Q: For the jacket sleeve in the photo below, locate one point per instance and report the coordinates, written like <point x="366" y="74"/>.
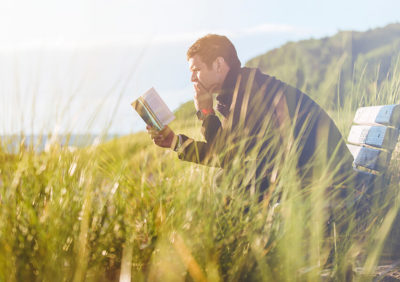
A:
<point x="199" y="151"/>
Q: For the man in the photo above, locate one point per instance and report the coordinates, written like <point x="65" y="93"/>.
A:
<point x="262" y="119"/>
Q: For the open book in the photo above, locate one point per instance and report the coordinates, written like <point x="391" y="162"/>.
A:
<point x="153" y="110"/>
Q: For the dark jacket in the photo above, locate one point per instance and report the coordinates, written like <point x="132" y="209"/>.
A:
<point x="261" y="114"/>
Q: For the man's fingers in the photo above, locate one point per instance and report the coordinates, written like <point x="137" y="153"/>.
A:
<point x="200" y="88"/>
<point x="165" y="131"/>
<point x="162" y="137"/>
<point x="200" y="91"/>
<point x="156" y="136"/>
<point x="153" y="131"/>
<point x="159" y="141"/>
<point x="156" y="139"/>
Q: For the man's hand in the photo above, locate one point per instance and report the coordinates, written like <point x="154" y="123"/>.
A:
<point x="165" y="138"/>
<point x="202" y="98"/>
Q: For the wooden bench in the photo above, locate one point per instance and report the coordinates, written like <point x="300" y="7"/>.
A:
<point x="373" y="138"/>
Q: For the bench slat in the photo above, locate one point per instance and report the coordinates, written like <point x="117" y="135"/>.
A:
<point x="368" y="157"/>
<point x="377" y="136"/>
<point x="386" y="115"/>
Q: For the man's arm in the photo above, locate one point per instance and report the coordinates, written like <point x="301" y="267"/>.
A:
<point x="198" y="151"/>
<point x="188" y="149"/>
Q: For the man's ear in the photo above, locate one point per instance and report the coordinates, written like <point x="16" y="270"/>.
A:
<point x="219" y="62"/>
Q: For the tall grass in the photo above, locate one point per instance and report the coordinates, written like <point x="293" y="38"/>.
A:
<point x="129" y="211"/>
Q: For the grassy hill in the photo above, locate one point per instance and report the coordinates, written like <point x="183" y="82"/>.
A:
<point x="329" y="69"/>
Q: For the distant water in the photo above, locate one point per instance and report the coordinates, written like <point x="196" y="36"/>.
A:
<point x="12" y="143"/>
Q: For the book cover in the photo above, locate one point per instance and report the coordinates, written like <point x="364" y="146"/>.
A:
<point x="153" y="110"/>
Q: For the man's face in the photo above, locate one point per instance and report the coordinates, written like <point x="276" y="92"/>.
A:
<point x="203" y="76"/>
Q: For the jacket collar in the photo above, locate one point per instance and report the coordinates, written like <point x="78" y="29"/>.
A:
<point x="225" y="96"/>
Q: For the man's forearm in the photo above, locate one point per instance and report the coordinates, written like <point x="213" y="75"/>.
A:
<point x="198" y="151"/>
<point x="195" y="151"/>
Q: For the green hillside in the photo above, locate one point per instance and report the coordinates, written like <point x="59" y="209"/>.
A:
<point x="330" y="68"/>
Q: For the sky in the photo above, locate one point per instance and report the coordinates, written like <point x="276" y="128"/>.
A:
<point x="75" y="66"/>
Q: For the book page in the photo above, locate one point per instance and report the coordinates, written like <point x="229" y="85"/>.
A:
<point x="158" y="106"/>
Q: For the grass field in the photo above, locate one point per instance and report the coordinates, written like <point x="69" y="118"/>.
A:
<point x="127" y="210"/>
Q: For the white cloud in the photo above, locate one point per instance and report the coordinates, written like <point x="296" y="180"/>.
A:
<point x="253" y="30"/>
<point x="273" y="28"/>
<point x="148" y="39"/>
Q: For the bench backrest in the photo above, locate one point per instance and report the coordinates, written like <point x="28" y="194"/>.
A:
<point x="373" y="137"/>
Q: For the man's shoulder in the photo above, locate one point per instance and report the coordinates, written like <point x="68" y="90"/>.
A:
<point x="246" y="72"/>
<point x="255" y="76"/>
<point x="272" y="86"/>
<point x="261" y="80"/>
<point x="260" y="77"/>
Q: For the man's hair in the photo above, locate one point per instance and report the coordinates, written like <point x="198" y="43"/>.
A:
<point x="213" y="46"/>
